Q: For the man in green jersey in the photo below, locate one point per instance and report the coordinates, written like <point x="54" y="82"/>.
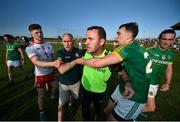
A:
<point x="14" y="57"/>
<point x="137" y="64"/>
<point x="69" y="82"/>
<point x="162" y="57"/>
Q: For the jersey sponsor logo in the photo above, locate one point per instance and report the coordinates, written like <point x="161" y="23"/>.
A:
<point x="157" y="55"/>
<point x="10" y="49"/>
<point x="160" y="61"/>
<point x="67" y="57"/>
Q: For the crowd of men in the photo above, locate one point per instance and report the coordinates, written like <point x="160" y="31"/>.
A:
<point x="87" y="71"/>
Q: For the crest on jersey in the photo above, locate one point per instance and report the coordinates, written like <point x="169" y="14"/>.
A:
<point x="163" y="57"/>
<point x="77" y="54"/>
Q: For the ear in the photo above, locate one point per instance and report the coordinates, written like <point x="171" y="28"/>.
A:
<point x="129" y="36"/>
<point x="102" y="42"/>
<point x="173" y="40"/>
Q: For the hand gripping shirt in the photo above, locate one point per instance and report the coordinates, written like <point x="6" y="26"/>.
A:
<point x="95" y="79"/>
<point x="161" y="59"/>
<point x="12" y="51"/>
<point x="44" y="52"/>
<point x="137" y="64"/>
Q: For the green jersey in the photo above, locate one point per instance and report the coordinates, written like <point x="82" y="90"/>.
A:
<point x="12" y="51"/>
<point x="161" y="59"/>
<point x="137" y="64"/>
<point x="95" y="79"/>
<point x="73" y="75"/>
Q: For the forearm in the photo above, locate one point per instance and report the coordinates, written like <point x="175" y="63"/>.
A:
<point x="44" y="64"/>
<point x="21" y="53"/>
<point x="22" y="56"/>
<point x="66" y="67"/>
<point x="168" y="73"/>
<point x="168" y="76"/>
<point x="123" y="75"/>
<point x="97" y="63"/>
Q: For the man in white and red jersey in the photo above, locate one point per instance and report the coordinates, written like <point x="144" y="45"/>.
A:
<point x="41" y="55"/>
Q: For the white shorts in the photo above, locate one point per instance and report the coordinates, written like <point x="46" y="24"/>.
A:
<point x="65" y="90"/>
<point x="153" y="90"/>
<point x="126" y="108"/>
<point x="15" y="63"/>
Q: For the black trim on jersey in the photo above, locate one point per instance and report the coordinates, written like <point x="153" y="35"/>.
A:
<point x="112" y="100"/>
<point x="118" y="118"/>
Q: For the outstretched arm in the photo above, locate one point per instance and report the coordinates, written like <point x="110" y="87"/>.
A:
<point x="100" y="62"/>
<point x="64" y="67"/>
<point x="38" y="63"/>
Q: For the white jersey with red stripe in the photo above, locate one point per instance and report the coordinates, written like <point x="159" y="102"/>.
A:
<point x="44" y="52"/>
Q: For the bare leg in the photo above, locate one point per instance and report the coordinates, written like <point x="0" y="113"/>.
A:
<point x="10" y="73"/>
<point x="111" y="118"/>
<point x="60" y="113"/>
<point x="41" y="96"/>
<point x="53" y="88"/>
<point x="109" y="108"/>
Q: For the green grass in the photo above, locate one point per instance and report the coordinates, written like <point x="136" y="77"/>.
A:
<point x="19" y="101"/>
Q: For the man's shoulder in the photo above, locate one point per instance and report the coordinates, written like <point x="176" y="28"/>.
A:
<point x="60" y="52"/>
<point x="77" y="49"/>
<point x="151" y="48"/>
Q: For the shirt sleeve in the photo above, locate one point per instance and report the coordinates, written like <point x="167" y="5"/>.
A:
<point x="121" y="53"/>
<point x="172" y="59"/>
<point x="30" y="52"/>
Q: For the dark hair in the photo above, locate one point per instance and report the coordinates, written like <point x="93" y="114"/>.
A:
<point x="167" y="31"/>
<point x="132" y="27"/>
<point x="34" y="27"/>
<point x="8" y="36"/>
<point x="69" y="34"/>
<point x="101" y="31"/>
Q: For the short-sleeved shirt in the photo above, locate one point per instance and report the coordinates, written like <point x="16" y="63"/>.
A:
<point x="44" y="52"/>
<point x="136" y="61"/>
<point x="12" y="51"/>
<point x="161" y="59"/>
<point x="73" y="75"/>
<point x="95" y="79"/>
